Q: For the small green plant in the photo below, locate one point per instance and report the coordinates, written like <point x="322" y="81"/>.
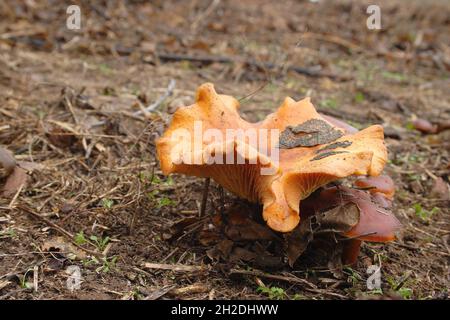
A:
<point x="375" y="292"/>
<point x="169" y="181"/>
<point x="24" y="284"/>
<point x="353" y="277"/>
<point x="80" y="239"/>
<point x="394" y="76"/>
<point x="410" y="126"/>
<point x="423" y="214"/>
<point x="152" y="194"/>
<point x="359" y="97"/>
<point x="100" y="242"/>
<point x="8" y="233"/>
<point x="164" y="202"/>
<point x="406" y="293"/>
<point x="107" y="203"/>
<point x="106" y="264"/>
<point x="160" y="202"/>
<point x="157" y="180"/>
<point x="186" y="65"/>
<point x="105" y="69"/>
<point x="329" y="103"/>
<point x="147" y="177"/>
<point x="274" y="293"/>
<point x="415" y="158"/>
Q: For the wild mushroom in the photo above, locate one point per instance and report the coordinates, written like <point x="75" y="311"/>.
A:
<point x="375" y="221"/>
<point x="312" y="152"/>
<point x="382" y="184"/>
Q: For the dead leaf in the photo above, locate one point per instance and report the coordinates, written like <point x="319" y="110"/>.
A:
<point x="298" y="240"/>
<point x="241" y="228"/>
<point x="62" y="247"/>
<point x="340" y="219"/>
<point x="180" y="226"/>
<point x="241" y="254"/>
<point x="53" y="265"/>
<point x="311" y="133"/>
<point x="209" y="237"/>
<point x="221" y="250"/>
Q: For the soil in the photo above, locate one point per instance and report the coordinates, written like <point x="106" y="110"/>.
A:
<point x="96" y="199"/>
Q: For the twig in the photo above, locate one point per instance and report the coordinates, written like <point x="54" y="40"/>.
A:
<point x="60" y="230"/>
<point x="152" y="107"/>
<point x="190" y="289"/>
<point x="205" y="197"/>
<point x="173" y="267"/>
<point x="158" y="293"/>
<point x="35" y="278"/>
<point x="11" y="204"/>
<point x="205" y="13"/>
<point x="268" y="65"/>
<point x="312" y="288"/>
<point x="403" y="280"/>
<point x="258" y="273"/>
<point x="48" y="222"/>
<point x="160" y="100"/>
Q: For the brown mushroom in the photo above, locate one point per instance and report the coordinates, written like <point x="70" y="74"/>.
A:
<point x="382" y="184"/>
<point x="312" y="152"/>
<point x="376" y="222"/>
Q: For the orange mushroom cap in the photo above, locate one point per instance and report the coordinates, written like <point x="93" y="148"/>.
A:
<point x="312" y="152"/>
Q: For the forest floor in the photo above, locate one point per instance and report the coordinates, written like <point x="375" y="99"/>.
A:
<point x="94" y="197"/>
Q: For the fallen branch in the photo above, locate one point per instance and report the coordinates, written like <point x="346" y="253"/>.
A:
<point x="173" y="267"/>
<point x="267" y="65"/>
<point x="291" y="279"/>
<point x="261" y="274"/>
<point x="191" y="289"/>
<point x="160" y="100"/>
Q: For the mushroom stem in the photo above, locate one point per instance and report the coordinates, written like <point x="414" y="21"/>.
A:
<point x="351" y="251"/>
<point x="205" y="196"/>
